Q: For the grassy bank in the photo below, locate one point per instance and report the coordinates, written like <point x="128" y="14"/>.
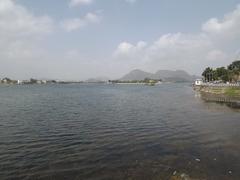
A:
<point x="218" y="90"/>
<point x="232" y="91"/>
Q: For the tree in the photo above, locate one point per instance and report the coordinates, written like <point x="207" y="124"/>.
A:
<point x="234" y="70"/>
<point x="146" y="80"/>
<point x="231" y="74"/>
<point x="33" y="81"/>
<point x="234" y="66"/>
<point x="222" y="74"/>
<point x="208" y="74"/>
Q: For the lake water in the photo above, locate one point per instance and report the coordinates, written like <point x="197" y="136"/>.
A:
<point x="115" y="132"/>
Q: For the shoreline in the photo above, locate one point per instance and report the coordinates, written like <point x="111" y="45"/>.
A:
<point x="230" y="90"/>
<point x="220" y="93"/>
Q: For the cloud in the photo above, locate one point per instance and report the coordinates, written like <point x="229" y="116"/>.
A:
<point x="18" y="28"/>
<point x="212" y="46"/>
<point x="227" y="28"/>
<point x="17" y="20"/>
<point x="216" y="55"/>
<point x="126" y="48"/>
<point x="20" y="32"/>
<point x="74" y="24"/>
<point x="129" y="52"/>
<point x="74" y="3"/>
<point x="174" y="51"/>
<point x="191" y="52"/>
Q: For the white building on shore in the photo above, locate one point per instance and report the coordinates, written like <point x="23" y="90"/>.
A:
<point x="198" y="82"/>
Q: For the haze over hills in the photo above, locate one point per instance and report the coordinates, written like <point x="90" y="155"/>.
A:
<point x="164" y="75"/>
<point x="98" y="79"/>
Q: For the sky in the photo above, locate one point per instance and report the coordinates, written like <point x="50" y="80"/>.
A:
<point x="81" y="39"/>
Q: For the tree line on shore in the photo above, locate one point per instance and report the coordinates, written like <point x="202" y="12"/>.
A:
<point x="7" y="80"/>
<point x="231" y="73"/>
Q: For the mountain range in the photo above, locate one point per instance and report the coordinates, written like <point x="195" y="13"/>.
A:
<point x="164" y="75"/>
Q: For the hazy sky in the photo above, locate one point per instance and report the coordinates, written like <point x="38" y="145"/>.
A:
<point x="80" y="39"/>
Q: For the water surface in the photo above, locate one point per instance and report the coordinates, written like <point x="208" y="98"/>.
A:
<point x="115" y="132"/>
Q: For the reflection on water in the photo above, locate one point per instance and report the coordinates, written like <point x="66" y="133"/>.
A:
<point x="115" y="132"/>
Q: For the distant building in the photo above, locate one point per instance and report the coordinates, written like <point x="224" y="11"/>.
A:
<point x="198" y="82"/>
<point x="5" y="80"/>
<point x="39" y="82"/>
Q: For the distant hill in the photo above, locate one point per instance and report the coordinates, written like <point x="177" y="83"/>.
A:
<point x="136" y="75"/>
<point x="97" y="80"/>
<point x="165" y="75"/>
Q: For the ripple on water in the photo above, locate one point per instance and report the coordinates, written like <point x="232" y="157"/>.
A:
<point x="115" y="132"/>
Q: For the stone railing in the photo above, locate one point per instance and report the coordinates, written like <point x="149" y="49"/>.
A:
<point x="221" y="85"/>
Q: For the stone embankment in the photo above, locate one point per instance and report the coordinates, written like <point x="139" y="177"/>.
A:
<point x="227" y="93"/>
<point x="220" y="89"/>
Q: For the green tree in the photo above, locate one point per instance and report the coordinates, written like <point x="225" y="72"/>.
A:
<point x="234" y="71"/>
<point x="33" y="81"/>
<point x="234" y="66"/>
<point x="222" y="74"/>
<point x="208" y="74"/>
